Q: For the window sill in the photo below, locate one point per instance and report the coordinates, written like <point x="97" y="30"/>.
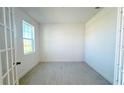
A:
<point x="26" y="54"/>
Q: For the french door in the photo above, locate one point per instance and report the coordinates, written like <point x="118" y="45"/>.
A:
<point x="8" y="72"/>
<point x="119" y="61"/>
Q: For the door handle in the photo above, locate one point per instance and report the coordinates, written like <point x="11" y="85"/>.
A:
<point x="17" y="63"/>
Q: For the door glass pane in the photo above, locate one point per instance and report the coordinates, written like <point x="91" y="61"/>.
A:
<point x="13" y="56"/>
<point x="8" y="38"/>
<point x="7" y="16"/>
<point x="1" y="15"/>
<point x="123" y="39"/>
<point x="123" y="67"/>
<point x="2" y="38"/>
<point x="5" y="81"/>
<point x="11" y="77"/>
<point x="14" y="73"/>
<point x="9" y="58"/>
<point x="11" y="16"/>
<point x="4" y="62"/>
<point x="13" y="39"/>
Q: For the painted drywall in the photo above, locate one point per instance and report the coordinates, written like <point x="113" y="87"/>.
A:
<point x="100" y="37"/>
<point x="61" y="42"/>
<point x="28" y="61"/>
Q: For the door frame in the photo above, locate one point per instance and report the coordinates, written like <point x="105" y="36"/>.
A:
<point x="118" y="67"/>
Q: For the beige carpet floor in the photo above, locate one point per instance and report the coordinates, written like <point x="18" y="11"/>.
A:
<point x="63" y="73"/>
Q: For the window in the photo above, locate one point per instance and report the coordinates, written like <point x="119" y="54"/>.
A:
<point x="28" y="38"/>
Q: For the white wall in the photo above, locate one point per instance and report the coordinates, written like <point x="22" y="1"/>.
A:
<point x="100" y="42"/>
<point x="62" y="42"/>
<point x="65" y="42"/>
<point x="28" y="61"/>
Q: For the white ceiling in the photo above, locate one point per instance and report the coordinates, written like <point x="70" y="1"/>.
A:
<point x="61" y="14"/>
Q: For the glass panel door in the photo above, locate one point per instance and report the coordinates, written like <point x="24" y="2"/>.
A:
<point x="7" y="47"/>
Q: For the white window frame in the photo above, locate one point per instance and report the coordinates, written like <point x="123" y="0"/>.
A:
<point x="32" y="38"/>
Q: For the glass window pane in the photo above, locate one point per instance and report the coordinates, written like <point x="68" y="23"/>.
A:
<point x="27" y="31"/>
<point x="27" y="46"/>
<point x="28" y="37"/>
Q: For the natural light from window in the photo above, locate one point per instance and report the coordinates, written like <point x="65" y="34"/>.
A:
<point x="28" y="38"/>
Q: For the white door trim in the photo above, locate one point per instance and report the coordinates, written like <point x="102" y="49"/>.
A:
<point x="118" y="68"/>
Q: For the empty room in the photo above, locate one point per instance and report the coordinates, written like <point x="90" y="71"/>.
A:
<point x="61" y="46"/>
